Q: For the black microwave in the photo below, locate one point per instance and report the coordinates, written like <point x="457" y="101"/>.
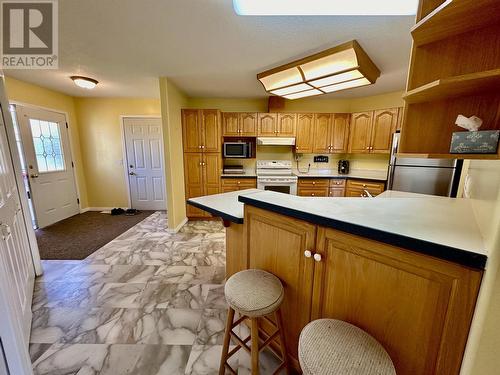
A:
<point x="237" y="150"/>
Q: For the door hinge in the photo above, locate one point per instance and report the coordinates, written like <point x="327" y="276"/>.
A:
<point x="29" y="195"/>
<point x="72" y="164"/>
<point x="66" y="125"/>
<point x="78" y="200"/>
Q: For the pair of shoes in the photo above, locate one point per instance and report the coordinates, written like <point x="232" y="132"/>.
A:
<point x="117" y="211"/>
<point x="131" y="212"/>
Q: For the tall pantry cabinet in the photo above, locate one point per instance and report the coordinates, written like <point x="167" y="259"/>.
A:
<point x="201" y="134"/>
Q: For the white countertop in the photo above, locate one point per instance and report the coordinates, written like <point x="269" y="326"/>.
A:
<point x="226" y="204"/>
<point x="369" y="174"/>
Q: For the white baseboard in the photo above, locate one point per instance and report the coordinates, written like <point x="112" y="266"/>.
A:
<point x="178" y="227"/>
<point x="83" y="210"/>
<point x="99" y="209"/>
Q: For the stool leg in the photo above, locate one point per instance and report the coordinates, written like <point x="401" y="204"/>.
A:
<point x="227" y="339"/>
<point x="255" y="346"/>
<point x="279" y="323"/>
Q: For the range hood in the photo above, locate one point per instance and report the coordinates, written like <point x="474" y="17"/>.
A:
<point x="275" y="141"/>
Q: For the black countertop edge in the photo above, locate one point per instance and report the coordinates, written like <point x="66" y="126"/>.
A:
<point x="223" y="215"/>
<point x="345" y="177"/>
<point x="465" y="258"/>
<point x="238" y="176"/>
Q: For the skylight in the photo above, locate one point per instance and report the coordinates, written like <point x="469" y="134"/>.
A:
<point x="325" y="7"/>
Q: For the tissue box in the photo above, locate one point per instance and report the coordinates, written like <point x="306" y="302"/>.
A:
<point x="480" y="142"/>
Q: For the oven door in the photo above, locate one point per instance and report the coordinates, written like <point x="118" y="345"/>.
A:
<point x="235" y="150"/>
<point x="286" y="186"/>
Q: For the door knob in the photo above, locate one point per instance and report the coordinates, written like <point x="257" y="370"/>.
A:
<point x="34" y="175"/>
<point x="307" y="253"/>
<point x="317" y="257"/>
<point x="131" y="173"/>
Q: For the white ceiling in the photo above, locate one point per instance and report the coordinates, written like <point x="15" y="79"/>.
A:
<point x="206" y="49"/>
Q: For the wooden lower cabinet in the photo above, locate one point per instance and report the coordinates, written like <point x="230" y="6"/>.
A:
<point x="235" y="184"/>
<point x="202" y="177"/>
<point x="418" y="307"/>
<point x="358" y="188"/>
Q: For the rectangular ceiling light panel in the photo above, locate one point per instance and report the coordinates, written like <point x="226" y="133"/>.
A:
<point x="338" y="68"/>
<point x="325" y="7"/>
<point x="346" y="85"/>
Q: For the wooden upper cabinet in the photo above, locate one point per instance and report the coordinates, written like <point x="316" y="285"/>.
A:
<point x="267" y="124"/>
<point x="283" y="255"/>
<point x="211" y="135"/>
<point x="360" y="132"/>
<point x="230" y="124"/>
<point x="384" y="125"/>
<point x="399" y="125"/>
<point x="322" y="132"/>
<point x="248" y="124"/>
<point x="305" y="133"/>
<point x="287" y="123"/>
<point x="340" y="133"/>
<point x="211" y="173"/>
<point x="191" y="130"/>
<point x="413" y="304"/>
<point x="201" y="130"/>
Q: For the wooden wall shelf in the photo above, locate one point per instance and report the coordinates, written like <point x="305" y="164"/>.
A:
<point x="454" y="17"/>
<point x="457" y="86"/>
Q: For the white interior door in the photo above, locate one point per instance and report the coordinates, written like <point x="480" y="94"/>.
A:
<point x="144" y="147"/>
<point x="50" y="167"/>
<point x="17" y="271"/>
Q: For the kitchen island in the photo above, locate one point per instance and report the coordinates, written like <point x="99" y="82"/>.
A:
<point x="405" y="268"/>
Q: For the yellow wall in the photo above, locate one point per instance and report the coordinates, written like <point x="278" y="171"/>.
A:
<point x="317" y="104"/>
<point x="26" y="93"/>
<point x="172" y="101"/>
<point x="101" y="142"/>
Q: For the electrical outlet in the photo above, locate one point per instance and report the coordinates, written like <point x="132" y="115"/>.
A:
<point x="321" y="159"/>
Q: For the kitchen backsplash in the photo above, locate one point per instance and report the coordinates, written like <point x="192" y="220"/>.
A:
<point x="357" y="161"/>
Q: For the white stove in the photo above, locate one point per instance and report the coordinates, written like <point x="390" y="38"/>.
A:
<point x="276" y="175"/>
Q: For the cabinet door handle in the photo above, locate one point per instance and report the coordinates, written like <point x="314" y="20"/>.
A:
<point x="308" y="254"/>
<point x="199" y="146"/>
<point x="202" y="146"/>
<point x="312" y="194"/>
<point x="317" y="257"/>
<point x="200" y="163"/>
<point x="238" y="182"/>
<point x="314" y="182"/>
<point x="204" y="163"/>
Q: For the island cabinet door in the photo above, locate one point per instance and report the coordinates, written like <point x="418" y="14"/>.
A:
<point x="276" y="243"/>
<point x="418" y="307"/>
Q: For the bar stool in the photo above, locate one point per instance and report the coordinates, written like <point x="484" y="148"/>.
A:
<point x="331" y="347"/>
<point x="254" y="294"/>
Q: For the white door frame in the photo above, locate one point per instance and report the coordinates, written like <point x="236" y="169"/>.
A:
<point x="124" y="156"/>
<point x="11" y="139"/>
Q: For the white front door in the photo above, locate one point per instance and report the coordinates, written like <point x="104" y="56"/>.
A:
<point x="50" y="168"/>
<point x="146" y="177"/>
<point x="17" y="273"/>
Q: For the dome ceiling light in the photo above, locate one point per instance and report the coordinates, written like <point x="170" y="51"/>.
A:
<point x="84" y="82"/>
<point x="339" y="68"/>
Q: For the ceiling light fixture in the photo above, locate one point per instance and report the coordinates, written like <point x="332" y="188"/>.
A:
<point x="325" y="7"/>
<point x="84" y="82"/>
<point x="338" y="68"/>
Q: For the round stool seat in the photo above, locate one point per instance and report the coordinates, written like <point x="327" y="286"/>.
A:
<point x="254" y="293"/>
<point x="329" y="346"/>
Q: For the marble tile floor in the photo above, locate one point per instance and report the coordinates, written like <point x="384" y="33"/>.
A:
<point x="149" y="302"/>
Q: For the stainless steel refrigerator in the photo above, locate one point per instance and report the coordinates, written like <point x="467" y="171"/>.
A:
<point x="425" y="176"/>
